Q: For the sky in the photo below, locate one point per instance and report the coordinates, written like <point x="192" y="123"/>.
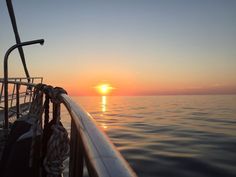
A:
<point x="139" y="47"/>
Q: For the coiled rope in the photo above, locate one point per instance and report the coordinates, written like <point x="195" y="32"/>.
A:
<point x="57" y="151"/>
<point x="58" y="143"/>
<point x="35" y="113"/>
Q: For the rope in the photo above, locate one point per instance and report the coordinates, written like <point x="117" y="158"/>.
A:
<point x="57" y="146"/>
<point x="36" y="111"/>
<point x="58" y="143"/>
<point x="46" y="110"/>
<point x="57" y="151"/>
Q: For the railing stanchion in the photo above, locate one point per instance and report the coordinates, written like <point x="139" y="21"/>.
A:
<point x="76" y="153"/>
<point x="13" y="93"/>
<point x="17" y="101"/>
<point x="1" y="92"/>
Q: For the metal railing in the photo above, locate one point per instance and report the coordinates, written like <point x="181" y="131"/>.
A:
<point x="88" y="143"/>
<point x="6" y="78"/>
<point x="19" y="95"/>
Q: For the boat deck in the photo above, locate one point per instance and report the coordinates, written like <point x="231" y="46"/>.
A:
<point x="23" y="108"/>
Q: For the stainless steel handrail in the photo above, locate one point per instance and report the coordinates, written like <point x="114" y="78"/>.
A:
<point x="100" y="154"/>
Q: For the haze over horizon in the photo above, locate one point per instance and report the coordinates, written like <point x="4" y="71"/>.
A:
<point x="139" y="47"/>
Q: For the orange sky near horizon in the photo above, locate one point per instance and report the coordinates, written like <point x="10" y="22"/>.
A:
<point x="130" y="86"/>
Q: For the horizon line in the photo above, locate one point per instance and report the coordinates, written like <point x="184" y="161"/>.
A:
<point x="190" y="94"/>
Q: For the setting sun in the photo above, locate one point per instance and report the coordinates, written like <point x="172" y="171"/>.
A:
<point x="104" y="89"/>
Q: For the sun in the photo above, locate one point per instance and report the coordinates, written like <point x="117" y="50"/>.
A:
<point x="104" y="89"/>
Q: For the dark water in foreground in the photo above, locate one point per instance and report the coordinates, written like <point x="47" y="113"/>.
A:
<point x="165" y="136"/>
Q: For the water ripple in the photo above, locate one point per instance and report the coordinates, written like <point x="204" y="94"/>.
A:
<point x="172" y="136"/>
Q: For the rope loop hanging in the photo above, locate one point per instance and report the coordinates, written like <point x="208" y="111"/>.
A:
<point x="35" y="113"/>
<point x="48" y="94"/>
<point x="48" y="146"/>
<point x="57" y="146"/>
<point x="57" y="151"/>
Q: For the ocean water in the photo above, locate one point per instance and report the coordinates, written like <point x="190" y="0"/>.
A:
<point x="170" y="136"/>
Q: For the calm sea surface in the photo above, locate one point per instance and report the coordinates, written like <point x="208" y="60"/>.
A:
<point x="165" y="136"/>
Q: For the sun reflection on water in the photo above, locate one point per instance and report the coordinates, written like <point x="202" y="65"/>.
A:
<point x="104" y="104"/>
<point x="104" y="126"/>
<point x="104" y="109"/>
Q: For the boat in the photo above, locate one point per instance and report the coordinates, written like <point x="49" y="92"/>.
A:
<point x="33" y="139"/>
